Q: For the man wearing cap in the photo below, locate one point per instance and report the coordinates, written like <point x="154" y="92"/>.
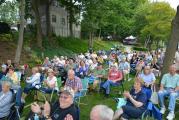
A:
<point x="114" y="78"/>
<point x="63" y="109"/>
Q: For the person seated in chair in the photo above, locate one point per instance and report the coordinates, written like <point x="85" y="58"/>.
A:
<point x="16" y="87"/>
<point x="99" y="73"/>
<point x="169" y="87"/>
<point x="5" y="100"/>
<point x="124" y="67"/>
<point x="50" y="82"/>
<point x="32" y="82"/>
<point x="114" y="78"/>
<point x="136" y="103"/>
<point x="63" y="109"/>
<point x="73" y="83"/>
<point x="81" y="69"/>
<point x="149" y="79"/>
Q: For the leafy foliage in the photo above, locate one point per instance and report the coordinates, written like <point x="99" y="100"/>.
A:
<point x="154" y="20"/>
<point x="140" y="49"/>
<point x="9" y="11"/>
<point x="6" y="37"/>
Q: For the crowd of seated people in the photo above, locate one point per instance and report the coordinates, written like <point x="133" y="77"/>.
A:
<point x="103" y="69"/>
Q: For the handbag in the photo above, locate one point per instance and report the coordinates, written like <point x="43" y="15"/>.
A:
<point x="121" y="102"/>
<point x="154" y="96"/>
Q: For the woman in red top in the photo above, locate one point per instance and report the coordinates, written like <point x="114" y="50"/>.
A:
<point x="114" y="78"/>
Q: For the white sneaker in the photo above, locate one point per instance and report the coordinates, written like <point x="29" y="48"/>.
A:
<point x="162" y="111"/>
<point x="171" y="116"/>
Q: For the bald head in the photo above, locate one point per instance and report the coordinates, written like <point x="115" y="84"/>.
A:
<point x="71" y="74"/>
<point x="172" y="69"/>
<point x="101" y="112"/>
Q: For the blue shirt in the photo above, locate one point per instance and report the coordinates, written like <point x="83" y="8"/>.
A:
<point x="147" y="78"/>
<point x="124" y="66"/>
<point x="140" y="97"/>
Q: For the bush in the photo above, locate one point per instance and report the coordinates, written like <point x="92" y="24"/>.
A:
<point x="6" y="37"/>
<point x="140" y="49"/>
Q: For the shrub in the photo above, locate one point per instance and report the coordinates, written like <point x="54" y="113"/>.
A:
<point x="140" y="49"/>
<point x="6" y="37"/>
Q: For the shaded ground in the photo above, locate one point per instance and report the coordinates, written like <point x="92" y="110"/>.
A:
<point x="7" y="51"/>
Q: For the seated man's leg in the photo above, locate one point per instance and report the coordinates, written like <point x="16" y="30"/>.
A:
<point x="95" y="83"/>
<point x="0" y="87"/>
<point x="107" y="85"/>
<point x="161" y="96"/>
<point x="171" y="107"/>
<point x="172" y="101"/>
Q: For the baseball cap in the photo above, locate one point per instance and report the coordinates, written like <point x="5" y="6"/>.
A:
<point x="67" y="92"/>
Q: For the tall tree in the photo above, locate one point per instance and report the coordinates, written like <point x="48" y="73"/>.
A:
<point x="48" y="18"/>
<point x="172" y="44"/>
<point x="21" y="32"/>
<point x="35" y="7"/>
<point x="92" y="17"/>
<point x="153" y="22"/>
<point x="73" y="8"/>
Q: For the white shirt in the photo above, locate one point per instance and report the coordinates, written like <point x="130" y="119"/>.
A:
<point x="34" y="79"/>
<point x="53" y="81"/>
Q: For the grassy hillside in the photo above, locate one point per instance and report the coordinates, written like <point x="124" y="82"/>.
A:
<point x="68" y="46"/>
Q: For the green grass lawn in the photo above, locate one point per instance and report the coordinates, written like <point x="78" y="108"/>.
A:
<point x="95" y="98"/>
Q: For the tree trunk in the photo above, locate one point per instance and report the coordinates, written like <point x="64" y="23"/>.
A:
<point x="71" y="26"/>
<point x="90" y="40"/>
<point x="38" y="22"/>
<point x="21" y="32"/>
<point x="99" y="36"/>
<point x="48" y="19"/>
<point x="172" y="44"/>
<point x="71" y="20"/>
<point x="157" y="44"/>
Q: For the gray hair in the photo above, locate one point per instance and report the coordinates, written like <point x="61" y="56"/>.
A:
<point x="71" y="71"/>
<point x="105" y="113"/>
<point x="6" y="82"/>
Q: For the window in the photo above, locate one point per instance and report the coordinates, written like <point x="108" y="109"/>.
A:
<point x="63" y="21"/>
<point x="54" y="18"/>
